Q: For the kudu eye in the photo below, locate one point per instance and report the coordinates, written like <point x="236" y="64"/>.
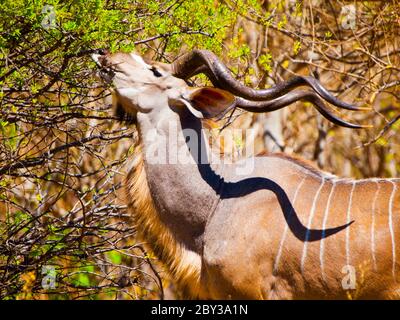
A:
<point x="156" y="72"/>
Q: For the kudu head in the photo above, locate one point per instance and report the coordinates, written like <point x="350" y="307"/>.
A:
<point x="147" y="86"/>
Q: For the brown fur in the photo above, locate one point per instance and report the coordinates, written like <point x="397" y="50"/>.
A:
<point x="300" y="161"/>
<point x="183" y="264"/>
<point x="235" y="255"/>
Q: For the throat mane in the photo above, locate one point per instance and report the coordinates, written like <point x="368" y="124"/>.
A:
<point x="183" y="264"/>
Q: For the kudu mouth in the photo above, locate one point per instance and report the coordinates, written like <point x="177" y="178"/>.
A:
<point x="99" y="53"/>
<point x="106" y="71"/>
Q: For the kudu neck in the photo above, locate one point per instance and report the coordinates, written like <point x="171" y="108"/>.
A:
<point x="184" y="186"/>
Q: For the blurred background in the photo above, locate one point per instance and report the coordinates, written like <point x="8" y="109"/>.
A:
<point x="64" y="229"/>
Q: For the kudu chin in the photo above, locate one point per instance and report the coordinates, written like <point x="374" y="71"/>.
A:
<point x="282" y="230"/>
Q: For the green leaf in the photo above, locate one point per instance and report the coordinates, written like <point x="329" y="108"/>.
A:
<point x="115" y="257"/>
<point x="84" y="280"/>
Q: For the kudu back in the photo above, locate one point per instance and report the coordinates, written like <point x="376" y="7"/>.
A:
<point x="282" y="230"/>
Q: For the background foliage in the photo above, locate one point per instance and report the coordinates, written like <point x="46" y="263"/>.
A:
<point x="63" y="157"/>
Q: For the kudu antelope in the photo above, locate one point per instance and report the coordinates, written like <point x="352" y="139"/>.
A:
<point x="283" y="231"/>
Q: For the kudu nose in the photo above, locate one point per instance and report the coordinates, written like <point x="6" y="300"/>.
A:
<point x="98" y="56"/>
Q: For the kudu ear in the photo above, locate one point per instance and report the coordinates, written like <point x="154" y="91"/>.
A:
<point x="209" y="102"/>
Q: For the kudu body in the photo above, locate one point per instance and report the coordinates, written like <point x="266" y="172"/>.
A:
<point x="285" y="230"/>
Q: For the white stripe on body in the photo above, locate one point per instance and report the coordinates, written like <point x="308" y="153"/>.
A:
<point x="373" y="224"/>
<point x="312" y="212"/>
<point x="348" y="221"/>
<point x="391" y="228"/>
<point x="278" y="256"/>
<point x="326" y="213"/>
